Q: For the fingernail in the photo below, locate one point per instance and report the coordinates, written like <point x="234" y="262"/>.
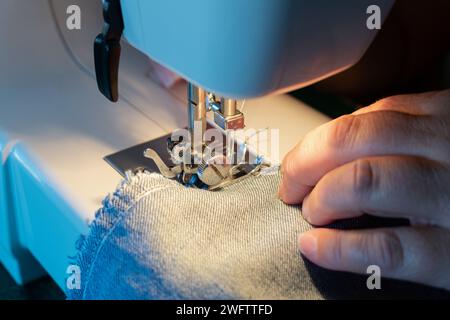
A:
<point x="307" y="244"/>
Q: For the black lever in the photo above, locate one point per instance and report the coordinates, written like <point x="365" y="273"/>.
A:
<point x="107" y="50"/>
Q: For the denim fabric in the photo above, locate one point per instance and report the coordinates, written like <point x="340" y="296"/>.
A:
<point x="155" y="239"/>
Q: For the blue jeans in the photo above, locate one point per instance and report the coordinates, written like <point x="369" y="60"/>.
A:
<point x="155" y="239"/>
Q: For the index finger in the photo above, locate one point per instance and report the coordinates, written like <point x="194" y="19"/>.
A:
<point x="350" y="137"/>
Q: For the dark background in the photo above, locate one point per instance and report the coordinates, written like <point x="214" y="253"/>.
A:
<point x="43" y="288"/>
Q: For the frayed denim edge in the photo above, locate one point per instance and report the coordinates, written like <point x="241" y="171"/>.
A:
<point x="87" y="246"/>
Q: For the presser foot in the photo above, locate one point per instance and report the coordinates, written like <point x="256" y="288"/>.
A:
<point x="211" y="175"/>
<point x="158" y="156"/>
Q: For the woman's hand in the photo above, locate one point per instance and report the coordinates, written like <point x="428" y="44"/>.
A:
<point x="391" y="159"/>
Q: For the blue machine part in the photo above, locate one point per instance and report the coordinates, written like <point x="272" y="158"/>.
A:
<point x="250" y="48"/>
<point x="32" y="217"/>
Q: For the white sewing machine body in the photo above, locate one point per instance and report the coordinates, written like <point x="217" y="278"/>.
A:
<point x="251" y="48"/>
<point x="55" y="127"/>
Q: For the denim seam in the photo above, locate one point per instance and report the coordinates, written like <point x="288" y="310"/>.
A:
<point x="118" y="219"/>
<point x="122" y="197"/>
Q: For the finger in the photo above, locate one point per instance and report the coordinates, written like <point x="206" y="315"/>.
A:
<point x="419" y="254"/>
<point x="293" y="188"/>
<point x="428" y="103"/>
<point x="355" y="136"/>
<point x="392" y="186"/>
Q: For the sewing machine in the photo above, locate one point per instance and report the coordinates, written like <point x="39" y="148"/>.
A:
<point x="56" y="128"/>
<point x="228" y="50"/>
